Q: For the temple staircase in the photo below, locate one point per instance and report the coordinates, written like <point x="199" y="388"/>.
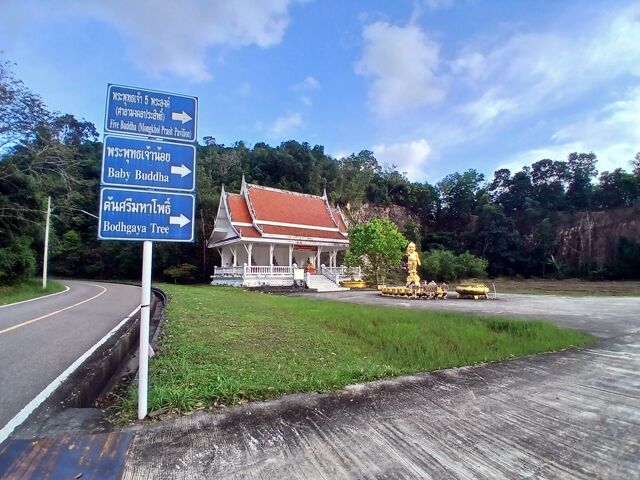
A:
<point x="323" y="284"/>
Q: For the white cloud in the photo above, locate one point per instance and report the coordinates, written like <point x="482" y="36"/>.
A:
<point x="532" y="72"/>
<point x="340" y="154"/>
<point x="410" y="158"/>
<point x="173" y="37"/>
<point x="285" y="125"/>
<point x="309" y="83"/>
<point x="403" y="62"/>
<point x="470" y="63"/>
<point x="612" y="133"/>
<point x="438" y="4"/>
<point x="245" y="89"/>
<point x="304" y="89"/>
<point x="490" y="107"/>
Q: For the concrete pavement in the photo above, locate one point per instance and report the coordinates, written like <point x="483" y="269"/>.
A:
<point x="572" y="414"/>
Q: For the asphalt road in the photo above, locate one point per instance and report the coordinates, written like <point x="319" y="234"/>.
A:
<point x="39" y="339"/>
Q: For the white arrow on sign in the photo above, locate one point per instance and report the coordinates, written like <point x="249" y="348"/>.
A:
<point x="183" y="117"/>
<point x="182" y="170"/>
<point x="181" y="220"/>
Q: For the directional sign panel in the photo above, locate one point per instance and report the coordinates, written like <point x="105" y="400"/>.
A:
<point x="141" y="215"/>
<point x="149" y="113"/>
<point x="133" y="162"/>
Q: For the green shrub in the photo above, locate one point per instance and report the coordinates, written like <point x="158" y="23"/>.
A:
<point x="17" y="261"/>
<point x="183" y="272"/>
<point x="628" y="261"/>
<point x="441" y="264"/>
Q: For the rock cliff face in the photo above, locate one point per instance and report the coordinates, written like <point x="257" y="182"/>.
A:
<point x="585" y="238"/>
<point x="367" y="211"/>
<point x="581" y="238"/>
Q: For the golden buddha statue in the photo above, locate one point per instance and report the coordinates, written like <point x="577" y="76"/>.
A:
<point x="413" y="261"/>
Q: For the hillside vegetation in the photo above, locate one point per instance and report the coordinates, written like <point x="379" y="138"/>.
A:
<point x="509" y="219"/>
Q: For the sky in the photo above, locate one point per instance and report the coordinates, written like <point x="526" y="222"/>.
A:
<point x="430" y="86"/>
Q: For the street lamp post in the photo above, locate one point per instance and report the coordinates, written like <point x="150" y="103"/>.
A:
<point x="46" y="237"/>
<point x="46" y="245"/>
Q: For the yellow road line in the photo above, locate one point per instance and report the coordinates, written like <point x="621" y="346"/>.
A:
<point x="15" y="327"/>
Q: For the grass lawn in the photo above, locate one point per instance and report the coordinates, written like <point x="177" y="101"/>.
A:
<point x="571" y="286"/>
<point x="222" y="346"/>
<point x="26" y="290"/>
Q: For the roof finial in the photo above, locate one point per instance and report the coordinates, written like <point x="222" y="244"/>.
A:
<point x="243" y="184"/>
<point x="324" y="193"/>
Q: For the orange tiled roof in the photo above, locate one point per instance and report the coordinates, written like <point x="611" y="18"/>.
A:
<point x="288" y="207"/>
<point x="249" y="232"/>
<point x="302" y="232"/>
<point x="238" y="208"/>
<point x="273" y="205"/>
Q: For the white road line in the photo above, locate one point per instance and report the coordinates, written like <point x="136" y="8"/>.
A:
<point x="42" y="396"/>
<point x="66" y="289"/>
<point x="23" y="324"/>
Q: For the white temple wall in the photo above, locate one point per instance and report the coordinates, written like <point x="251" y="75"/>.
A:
<point x="325" y="259"/>
<point x="281" y="254"/>
<point x="302" y="257"/>
<point x="243" y="257"/>
<point x="260" y="254"/>
<point x="261" y="251"/>
<point x="267" y="281"/>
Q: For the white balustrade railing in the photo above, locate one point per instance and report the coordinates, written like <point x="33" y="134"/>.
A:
<point x="253" y="271"/>
<point x="267" y="271"/>
<point x="344" y="272"/>
<point x="227" y="271"/>
<point x="330" y="273"/>
<point x="335" y="274"/>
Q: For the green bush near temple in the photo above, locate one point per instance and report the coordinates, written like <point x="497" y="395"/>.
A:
<point x="440" y="264"/>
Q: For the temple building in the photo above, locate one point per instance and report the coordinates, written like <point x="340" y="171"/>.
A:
<point x="266" y="235"/>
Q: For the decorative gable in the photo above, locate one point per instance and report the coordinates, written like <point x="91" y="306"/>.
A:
<point x="279" y="216"/>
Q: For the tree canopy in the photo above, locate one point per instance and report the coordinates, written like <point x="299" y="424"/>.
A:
<point x="377" y="246"/>
<point x="508" y="220"/>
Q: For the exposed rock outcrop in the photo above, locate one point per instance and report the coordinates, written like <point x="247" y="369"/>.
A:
<point x="367" y="211"/>
<point x="587" y="238"/>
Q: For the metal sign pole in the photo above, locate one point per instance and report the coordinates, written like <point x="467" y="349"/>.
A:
<point x="145" y="301"/>
<point x="152" y="154"/>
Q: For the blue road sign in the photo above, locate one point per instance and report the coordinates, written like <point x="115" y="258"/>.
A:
<point x="142" y="215"/>
<point x="149" y="113"/>
<point x="133" y="162"/>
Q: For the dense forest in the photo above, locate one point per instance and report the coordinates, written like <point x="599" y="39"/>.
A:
<point x="508" y="219"/>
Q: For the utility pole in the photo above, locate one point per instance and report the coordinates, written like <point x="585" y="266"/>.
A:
<point x="46" y="245"/>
